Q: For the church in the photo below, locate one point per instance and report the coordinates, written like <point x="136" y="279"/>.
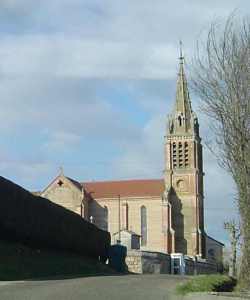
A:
<point x="167" y="214"/>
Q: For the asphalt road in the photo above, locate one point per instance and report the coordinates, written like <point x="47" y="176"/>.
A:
<point x="129" y="287"/>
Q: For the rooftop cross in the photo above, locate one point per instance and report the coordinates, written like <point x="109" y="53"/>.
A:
<point x="182" y="114"/>
<point x="61" y="171"/>
<point x="181" y="54"/>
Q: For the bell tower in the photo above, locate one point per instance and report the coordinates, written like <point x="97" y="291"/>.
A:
<point x="183" y="174"/>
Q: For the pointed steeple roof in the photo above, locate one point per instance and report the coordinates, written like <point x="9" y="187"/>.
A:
<point x="182" y="102"/>
<point x="182" y="120"/>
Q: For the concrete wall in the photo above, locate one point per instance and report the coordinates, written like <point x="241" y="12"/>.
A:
<point x="145" y="262"/>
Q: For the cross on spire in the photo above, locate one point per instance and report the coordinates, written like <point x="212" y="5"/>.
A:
<point x="183" y="105"/>
<point x="182" y="118"/>
<point x="181" y="54"/>
<point x="61" y="171"/>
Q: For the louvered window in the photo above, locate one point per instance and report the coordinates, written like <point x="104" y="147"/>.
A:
<point x="180" y="155"/>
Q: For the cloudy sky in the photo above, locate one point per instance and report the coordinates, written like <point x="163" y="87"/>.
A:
<point x="87" y="85"/>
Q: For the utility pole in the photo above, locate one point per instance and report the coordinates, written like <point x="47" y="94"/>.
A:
<point x="234" y="232"/>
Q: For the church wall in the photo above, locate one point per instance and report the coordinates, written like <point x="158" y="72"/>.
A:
<point x="214" y="250"/>
<point x="64" y="195"/>
<point x="175" y="224"/>
<point x="154" y="217"/>
<point x="184" y="223"/>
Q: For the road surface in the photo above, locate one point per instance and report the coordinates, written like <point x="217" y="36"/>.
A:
<point x="127" y="287"/>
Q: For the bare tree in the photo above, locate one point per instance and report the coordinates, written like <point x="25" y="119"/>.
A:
<point x="234" y="232"/>
<point x="221" y="78"/>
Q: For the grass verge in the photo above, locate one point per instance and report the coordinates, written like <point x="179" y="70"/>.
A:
<point x="207" y="283"/>
<point x="19" y="262"/>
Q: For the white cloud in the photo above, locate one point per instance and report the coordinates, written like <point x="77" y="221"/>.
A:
<point x="26" y="173"/>
<point x="143" y="158"/>
<point x="61" y="141"/>
<point x="51" y="55"/>
<point x="105" y="40"/>
<point x="64" y="56"/>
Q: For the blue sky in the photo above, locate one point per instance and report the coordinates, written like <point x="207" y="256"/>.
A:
<point x="87" y="85"/>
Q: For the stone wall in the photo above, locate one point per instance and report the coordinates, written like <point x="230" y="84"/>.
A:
<point x="205" y="267"/>
<point x="134" y="261"/>
<point x="145" y="262"/>
<point x="200" y="266"/>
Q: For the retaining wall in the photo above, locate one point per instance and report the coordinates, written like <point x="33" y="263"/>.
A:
<point x="200" y="266"/>
<point x="145" y="262"/>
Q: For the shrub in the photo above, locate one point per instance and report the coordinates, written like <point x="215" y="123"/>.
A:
<point x="19" y="262"/>
<point x="207" y="283"/>
<point x="38" y="222"/>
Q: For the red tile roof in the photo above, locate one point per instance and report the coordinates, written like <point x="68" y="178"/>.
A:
<point x="125" y="188"/>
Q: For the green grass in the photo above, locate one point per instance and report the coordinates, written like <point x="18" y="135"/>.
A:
<point x="18" y="262"/>
<point x="207" y="283"/>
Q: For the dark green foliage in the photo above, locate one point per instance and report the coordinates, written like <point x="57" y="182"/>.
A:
<point x="38" y="222"/>
<point x="19" y="262"/>
<point x="207" y="283"/>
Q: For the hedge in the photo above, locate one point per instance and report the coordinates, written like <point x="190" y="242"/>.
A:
<point x="38" y="222"/>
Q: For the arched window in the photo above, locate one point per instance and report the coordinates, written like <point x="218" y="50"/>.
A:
<point x="125" y="216"/>
<point x="144" y="226"/>
<point x="105" y="218"/>
<point x="180" y="120"/>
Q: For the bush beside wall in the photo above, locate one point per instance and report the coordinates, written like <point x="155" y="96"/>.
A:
<point x="38" y="222"/>
<point x="207" y="283"/>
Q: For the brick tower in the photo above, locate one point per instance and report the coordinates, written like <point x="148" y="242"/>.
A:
<point x="183" y="216"/>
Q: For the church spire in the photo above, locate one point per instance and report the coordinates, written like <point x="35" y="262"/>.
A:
<point x="182" y="103"/>
<point x="182" y="118"/>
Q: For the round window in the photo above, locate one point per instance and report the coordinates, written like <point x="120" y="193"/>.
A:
<point x="180" y="184"/>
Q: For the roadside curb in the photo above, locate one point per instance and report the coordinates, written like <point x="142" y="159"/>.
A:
<point x="215" y="295"/>
<point x="4" y="283"/>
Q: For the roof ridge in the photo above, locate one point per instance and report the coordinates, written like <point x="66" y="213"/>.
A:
<point x="75" y="182"/>
<point x="122" y="180"/>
